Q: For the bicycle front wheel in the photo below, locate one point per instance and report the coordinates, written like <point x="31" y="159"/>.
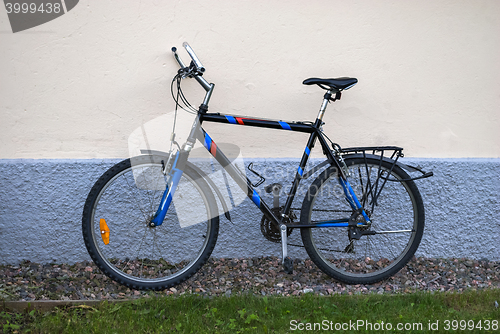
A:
<point x="395" y="209"/>
<point x="116" y="227"/>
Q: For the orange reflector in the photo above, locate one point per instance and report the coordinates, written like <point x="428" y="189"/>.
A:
<point x="104" y="231"/>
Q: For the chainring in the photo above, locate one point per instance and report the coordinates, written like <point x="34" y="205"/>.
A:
<point x="272" y="232"/>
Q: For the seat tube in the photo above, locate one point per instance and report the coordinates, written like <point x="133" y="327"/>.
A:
<point x="300" y="171"/>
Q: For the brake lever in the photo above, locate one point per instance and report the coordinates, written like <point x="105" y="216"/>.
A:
<point x="184" y="72"/>
<point x="192" y="71"/>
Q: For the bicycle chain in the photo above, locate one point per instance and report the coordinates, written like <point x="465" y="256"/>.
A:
<point x="323" y="249"/>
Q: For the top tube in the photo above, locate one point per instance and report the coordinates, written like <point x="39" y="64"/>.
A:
<point x="263" y="123"/>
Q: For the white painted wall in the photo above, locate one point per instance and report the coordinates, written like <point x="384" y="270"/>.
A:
<point x="428" y="71"/>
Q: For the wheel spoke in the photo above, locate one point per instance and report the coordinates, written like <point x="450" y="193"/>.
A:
<point x="138" y="255"/>
<point x="396" y="224"/>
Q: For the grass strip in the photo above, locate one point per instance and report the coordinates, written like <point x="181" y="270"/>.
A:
<point x="472" y="311"/>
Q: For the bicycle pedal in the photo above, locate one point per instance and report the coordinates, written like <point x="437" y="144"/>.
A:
<point x="288" y="265"/>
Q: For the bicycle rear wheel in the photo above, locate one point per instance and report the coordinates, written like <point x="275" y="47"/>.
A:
<point x="116" y="229"/>
<point x="397" y="217"/>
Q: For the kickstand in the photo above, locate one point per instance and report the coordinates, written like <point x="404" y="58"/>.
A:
<point x="286" y="260"/>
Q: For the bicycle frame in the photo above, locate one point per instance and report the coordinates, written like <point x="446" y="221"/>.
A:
<point x="244" y="183"/>
<point x="195" y="70"/>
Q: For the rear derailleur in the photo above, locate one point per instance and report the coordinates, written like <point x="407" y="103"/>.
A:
<point x="355" y="230"/>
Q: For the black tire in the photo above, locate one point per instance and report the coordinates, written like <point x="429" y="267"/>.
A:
<point x="143" y="257"/>
<point x="372" y="258"/>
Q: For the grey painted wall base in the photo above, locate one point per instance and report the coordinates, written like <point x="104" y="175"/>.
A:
<point x="41" y="203"/>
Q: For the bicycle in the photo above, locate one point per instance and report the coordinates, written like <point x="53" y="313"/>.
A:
<point x="364" y="238"/>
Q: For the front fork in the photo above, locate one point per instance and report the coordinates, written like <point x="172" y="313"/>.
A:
<point x="173" y="178"/>
<point x="174" y="175"/>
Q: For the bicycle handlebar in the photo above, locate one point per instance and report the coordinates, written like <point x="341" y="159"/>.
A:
<point x="193" y="56"/>
<point x="195" y="70"/>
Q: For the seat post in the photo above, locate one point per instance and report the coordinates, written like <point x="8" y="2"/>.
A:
<point x="326" y="98"/>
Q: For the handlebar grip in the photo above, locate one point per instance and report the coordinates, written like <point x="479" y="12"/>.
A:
<point x="177" y="58"/>
<point x="193" y="56"/>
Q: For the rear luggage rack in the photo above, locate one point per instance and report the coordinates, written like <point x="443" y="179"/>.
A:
<point x="392" y="154"/>
<point x="378" y="153"/>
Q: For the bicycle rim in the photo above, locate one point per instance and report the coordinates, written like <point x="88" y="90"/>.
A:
<point x="397" y="216"/>
<point x="145" y="257"/>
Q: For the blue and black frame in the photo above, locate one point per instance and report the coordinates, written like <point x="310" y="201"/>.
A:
<point x="314" y="129"/>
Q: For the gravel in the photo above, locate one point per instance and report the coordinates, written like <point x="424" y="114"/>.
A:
<point x="225" y="277"/>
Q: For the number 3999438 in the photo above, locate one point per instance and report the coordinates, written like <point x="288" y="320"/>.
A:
<point x="33" y="8"/>
<point x="470" y="325"/>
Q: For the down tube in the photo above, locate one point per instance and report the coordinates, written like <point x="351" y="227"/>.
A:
<point x="242" y="181"/>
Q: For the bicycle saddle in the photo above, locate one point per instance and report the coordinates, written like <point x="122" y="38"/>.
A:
<point x="335" y="84"/>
